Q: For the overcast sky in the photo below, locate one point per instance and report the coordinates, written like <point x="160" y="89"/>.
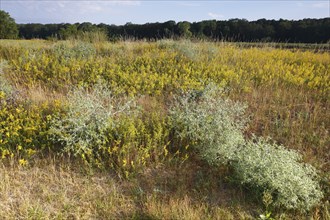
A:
<point x="139" y="12"/>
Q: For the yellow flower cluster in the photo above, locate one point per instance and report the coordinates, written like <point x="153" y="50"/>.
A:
<point x="23" y="131"/>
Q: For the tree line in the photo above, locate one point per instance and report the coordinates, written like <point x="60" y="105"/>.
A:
<point x="291" y="31"/>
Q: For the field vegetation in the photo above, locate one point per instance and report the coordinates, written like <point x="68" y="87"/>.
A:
<point x="163" y="130"/>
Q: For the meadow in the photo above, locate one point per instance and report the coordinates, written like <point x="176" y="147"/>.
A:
<point x="163" y="130"/>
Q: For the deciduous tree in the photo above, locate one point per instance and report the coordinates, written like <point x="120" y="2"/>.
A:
<point x="8" y="27"/>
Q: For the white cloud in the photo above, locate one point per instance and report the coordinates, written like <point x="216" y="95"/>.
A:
<point x="75" y="8"/>
<point x="321" y="5"/>
<point x="190" y="4"/>
<point x="300" y="4"/>
<point x="98" y="6"/>
<point x="215" y="15"/>
<point x="127" y="3"/>
<point x="316" y="4"/>
<point x="57" y="11"/>
<point x="89" y="7"/>
<point x="61" y="4"/>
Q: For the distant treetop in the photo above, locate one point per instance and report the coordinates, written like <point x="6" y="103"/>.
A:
<point x="242" y="30"/>
<point x="8" y="27"/>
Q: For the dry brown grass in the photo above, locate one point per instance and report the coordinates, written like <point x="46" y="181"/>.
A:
<point x="38" y="94"/>
<point x="295" y="117"/>
<point x="57" y="189"/>
<point x="49" y="191"/>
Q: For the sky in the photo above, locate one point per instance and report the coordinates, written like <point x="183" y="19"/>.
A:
<point x="144" y="11"/>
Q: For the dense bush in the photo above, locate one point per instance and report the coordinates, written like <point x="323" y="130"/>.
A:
<point x="270" y="167"/>
<point x="5" y="87"/>
<point x="214" y="124"/>
<point x="104" y="129"/>
<point x="90" y="114"/>
<point x="78" y="50"/>
<point x="216" y="127"/>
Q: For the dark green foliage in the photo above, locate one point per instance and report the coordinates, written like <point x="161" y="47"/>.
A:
<point x="8" y="27"/>
<point x="262" y="30"/>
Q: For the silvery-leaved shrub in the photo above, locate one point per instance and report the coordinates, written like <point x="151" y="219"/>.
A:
<point x="5" y="87"/>
<point x="267" y="166"/>
<point x="213" y="123"/>
<point x="90" y="113"/>
<point x="79" y="50"/>
<point x="184" y="48"/>
<point x="215" y="126"/>
<point x="4" y="84"/>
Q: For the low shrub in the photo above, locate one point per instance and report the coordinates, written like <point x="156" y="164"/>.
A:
<point x="5" y="87"/>
<point x="108" y="130"/>
<point x="90" y="114"/>
<point x="266" y="166"/>
<point x="79" y="50"/>
<point x="215" y="125"/>
<point x="183" y="48"/>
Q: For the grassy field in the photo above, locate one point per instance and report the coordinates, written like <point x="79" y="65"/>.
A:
<point x="292" y="46"/>
<point x="163" y="130"/>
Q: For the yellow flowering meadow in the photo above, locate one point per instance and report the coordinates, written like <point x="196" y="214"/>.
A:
<point x="160" y="69"/>
<point x="152" y="68"/>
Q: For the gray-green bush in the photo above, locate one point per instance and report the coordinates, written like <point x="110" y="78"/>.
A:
<point x="216" y="126"/>
<point x="110" y="131"/>
<point x="268" y="166"/>
<point x="4" y="83"/>
<point x="89" y="115"/>
<point x="184" y="48"/>
<point x="212" y="123"/>
<point x="6" y="87"/>
<point x="79" y="50"/>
